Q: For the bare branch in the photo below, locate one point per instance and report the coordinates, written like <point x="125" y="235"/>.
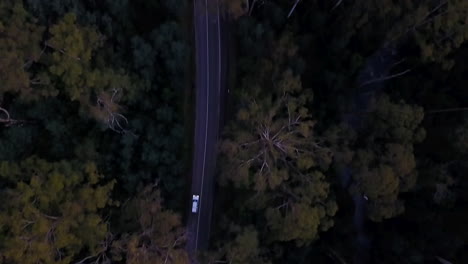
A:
<point x="115" y="91"/>
<point x="30" y="61"/>
<point x="252" y="159"/>
<point x="290" y="193"/>
<point x="85" y="259"/>
<point x="443" y="261"/>
<point x="386" y="78"/>
<point x="250" y="143"/>
<point x="2" y="120"/>
<point x="282" y="205"/>
<point x="63" y="51"/>
<point x="334" y="255"/>
<point x="459" y="109"/>
<point x="100" y="256"/>
<point x="37" y="81"/>
<point x="50" y="217"/>
<point x="430" y="17"/>
<point x="114" y="118"/>
<point x="8" y="121"/>
<point x="293" y="8"/>
<point x="398" y="62"/>
<point x="337" y="4"/>
<point x="441" y="4"/>
<point x="27" y="223"/>
<point x="252" y="7"/>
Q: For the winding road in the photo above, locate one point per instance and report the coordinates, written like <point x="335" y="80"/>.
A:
<point x="210" y="93"/>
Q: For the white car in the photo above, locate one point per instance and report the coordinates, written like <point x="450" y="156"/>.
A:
<point x="195" y="200"/>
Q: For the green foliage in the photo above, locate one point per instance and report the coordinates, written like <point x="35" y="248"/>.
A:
<point x="157" y="235"/>
<point x="245" y="247"/>
<point x="72" y="70"/>
<point x="401" y="175"/>
<point x="52" y="211"/>
<point x="159" y="60"/>
<point x="47" y="10"/>
<point x="60" y="74"/>
<point x="273" y="158"/>
<point x="20" y="46"/>
<point x="386" y="166"/>
<point x="73" y="50"/>
<point x="66" y="64"/>
<point x="435" y="28"/>
<point x="73" y="66"/>
<point x="442" y="30"/>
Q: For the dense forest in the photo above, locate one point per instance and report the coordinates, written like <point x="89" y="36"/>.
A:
<point x="345" y="139"/>
<point x="92" y="140"/>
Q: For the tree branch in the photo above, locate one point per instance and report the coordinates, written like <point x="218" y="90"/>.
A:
<point x="459" y="109"/>
<point x="7" y="115"/>
<point x="293" y="8"/>
<point x="62" y="51"/>
<point x="252" y="7"/>
<point x="337" y="4"/>
<point x="384" y="78"/>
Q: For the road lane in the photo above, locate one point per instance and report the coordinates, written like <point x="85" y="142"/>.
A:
<point x="208" y="107"/>
<point x="207" y="70"/>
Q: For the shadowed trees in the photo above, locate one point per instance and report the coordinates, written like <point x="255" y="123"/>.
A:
<point x="384" y="164"/>
<point x="51" y="211"/>
<point x="153" y="234"/>
<point x="71" y="78"/>
<point x="273" y="160"/>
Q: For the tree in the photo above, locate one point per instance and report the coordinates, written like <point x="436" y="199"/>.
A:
<point x="59" y="65"/>
<point x="272" y="152"/>
<point x="65" y="63"/>
<point x="158" y="236"/>
<point x="436" y="28"/>
<point x="442" y="30"/>
<point x="271" y="137"/>
<point x="384" y="164"/>
<point x="20" y="44"/>
<point x="244" y="246"/>
<point x="73" y="63"/>
<point x="159" y="60"/>
<point x="52" y="211"/>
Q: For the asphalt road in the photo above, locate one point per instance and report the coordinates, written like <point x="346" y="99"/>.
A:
<point x="210" y="90"/>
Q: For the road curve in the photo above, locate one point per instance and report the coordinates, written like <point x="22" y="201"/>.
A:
<point x="210" y="90"/>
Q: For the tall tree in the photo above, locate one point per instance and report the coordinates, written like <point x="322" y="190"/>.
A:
<point x="52" y="211"/>
<point x="384" y="163"/>
<point x="155" y="234"/>
<point x="271" y="151"/>
<point x="20" y="46"/>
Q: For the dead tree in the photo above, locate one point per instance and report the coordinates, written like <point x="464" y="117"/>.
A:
<point x="103" y="255"/>
<point x="277" y="142"/>
<point x="109" y="108"/>
<point x="7" y="121"/>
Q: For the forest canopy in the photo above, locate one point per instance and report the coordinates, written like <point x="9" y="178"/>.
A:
<point x="89" y="116"/>
<point x="345" y="136"/>
<point x="344" y="141"/>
